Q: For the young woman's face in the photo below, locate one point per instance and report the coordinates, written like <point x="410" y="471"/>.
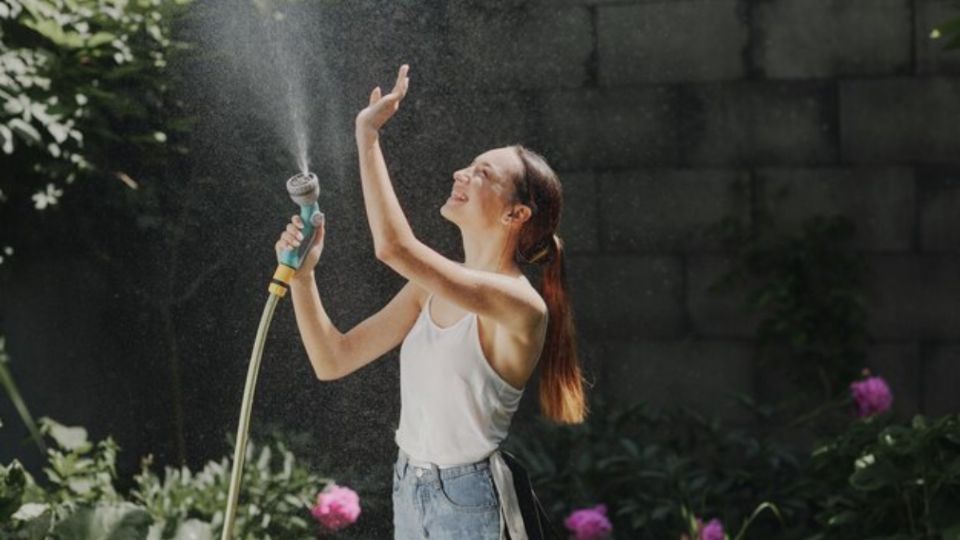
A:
<point x="483" y="193"/>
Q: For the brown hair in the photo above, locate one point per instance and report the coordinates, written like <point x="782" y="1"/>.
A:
<point x="562" y="398"/>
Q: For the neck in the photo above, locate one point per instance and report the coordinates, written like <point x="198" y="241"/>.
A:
<point x="490" y="252"/>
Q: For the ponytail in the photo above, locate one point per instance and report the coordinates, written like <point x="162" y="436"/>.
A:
<point x="561" y="382"/>
<point x="562" y="398"/>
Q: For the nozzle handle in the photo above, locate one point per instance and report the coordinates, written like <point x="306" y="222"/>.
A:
<point x="311" y="216"/>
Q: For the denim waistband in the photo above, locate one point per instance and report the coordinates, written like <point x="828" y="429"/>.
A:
<point x="404" y="460"/>
<point x="511" y="522"/>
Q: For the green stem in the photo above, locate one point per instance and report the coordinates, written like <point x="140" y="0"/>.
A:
<point x="7" y="381"/>
<point x="835" y="404"/>
<point x="756" y="512"/>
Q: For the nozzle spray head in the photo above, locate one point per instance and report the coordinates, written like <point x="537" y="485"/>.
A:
<point x="304" y="188"/>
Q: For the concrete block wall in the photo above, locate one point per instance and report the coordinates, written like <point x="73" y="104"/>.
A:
<point x="663" y="108"/>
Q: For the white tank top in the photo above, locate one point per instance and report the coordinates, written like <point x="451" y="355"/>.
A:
<point x="454" y="408"/>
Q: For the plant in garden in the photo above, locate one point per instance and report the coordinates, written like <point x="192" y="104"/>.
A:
<point x="80" y="495"/>
<point x="807" y="288"/>
<point x="10" y="388"/>
<point x="275" y="499"/>
<point x="82" y="84"/>
<point x="86" y="92"/>
<point x="647" y="464"/>
<point x="80" y="501"/>
<point x="879" y="477"/>
<point x="713" y="529"/>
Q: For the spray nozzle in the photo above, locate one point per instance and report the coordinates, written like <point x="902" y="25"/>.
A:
<point x="304" y="189"/>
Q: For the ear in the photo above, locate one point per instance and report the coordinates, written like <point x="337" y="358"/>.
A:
<point x="519" y="214"/>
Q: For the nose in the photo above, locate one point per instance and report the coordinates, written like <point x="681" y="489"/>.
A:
<point x="460" y="177"/>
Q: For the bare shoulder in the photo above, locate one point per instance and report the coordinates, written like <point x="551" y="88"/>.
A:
<point x="536" y="306"/>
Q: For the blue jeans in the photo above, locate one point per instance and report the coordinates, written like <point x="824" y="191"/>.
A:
<point x="456" y="503"/>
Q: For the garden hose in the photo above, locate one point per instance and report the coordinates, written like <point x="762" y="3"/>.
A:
<point x="304" y="189"/>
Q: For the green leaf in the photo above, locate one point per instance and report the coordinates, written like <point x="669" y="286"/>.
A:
<point x="51" y="30"/>
<point x="26" y="131"/>
<point x="13" y="481"/>
<point x="99" y="39"/>
<point x="843" y="518"/>
<point x="123" y="521"/>
<point x="6" y="380"/>
<point x="73" y="439"/>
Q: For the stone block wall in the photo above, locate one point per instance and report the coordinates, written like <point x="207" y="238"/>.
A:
<point x="818" y="107"/>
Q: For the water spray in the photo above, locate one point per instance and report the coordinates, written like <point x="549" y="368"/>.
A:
<point x="304" y="189"/>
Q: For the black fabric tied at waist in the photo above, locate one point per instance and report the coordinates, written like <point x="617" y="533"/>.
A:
<point x="522" y="515"/>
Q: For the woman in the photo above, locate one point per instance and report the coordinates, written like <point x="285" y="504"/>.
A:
<point x="472" y="333"/>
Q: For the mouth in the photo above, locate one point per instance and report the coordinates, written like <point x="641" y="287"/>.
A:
<point x="458" y="196"/>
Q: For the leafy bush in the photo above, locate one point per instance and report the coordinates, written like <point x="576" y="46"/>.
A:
<point x="80" y="501"/>
<point x="656" y="470"/>
<point x="649" y="465"/>
<point x="276" y="494"/>
<point x="808" y="289"/>
<point x="85" y="90"/>
<point x="879" y="477"/>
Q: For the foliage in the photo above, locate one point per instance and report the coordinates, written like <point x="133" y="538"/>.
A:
<point x="808" y="288"/>
<point x="275" y="492"/>
<point x="649" y="465"/>
<point x="10" y="388"/>
<point x="656" y="471"/>
<point x="81" y="476"/>
<point x="879" y="477"/>
<point x="84" y="91"/>
<point x="80" y="501"/>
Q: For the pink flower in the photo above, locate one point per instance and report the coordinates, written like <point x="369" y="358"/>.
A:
<point x="872" y="396"/>
<point x="712" y="531"/>
<point x="589" y="523"/>
<point x="337" y="507"/>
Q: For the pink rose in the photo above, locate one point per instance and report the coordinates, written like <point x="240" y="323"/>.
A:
<point x="337" y="507"/>
<point x="589" y="523"/>
<point x="872" y="396"/>
<point x="713" y="530"/>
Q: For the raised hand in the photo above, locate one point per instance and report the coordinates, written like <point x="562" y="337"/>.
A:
<point x="381" y="108"/>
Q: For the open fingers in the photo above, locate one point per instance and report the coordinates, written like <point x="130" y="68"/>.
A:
<point x="400" y="87"/>
<point x="398" y="92"/>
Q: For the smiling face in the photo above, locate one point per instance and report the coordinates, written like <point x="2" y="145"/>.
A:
<point x="483" y="194"/>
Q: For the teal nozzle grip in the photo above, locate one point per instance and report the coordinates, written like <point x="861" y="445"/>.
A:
<point x="304" y="189"/>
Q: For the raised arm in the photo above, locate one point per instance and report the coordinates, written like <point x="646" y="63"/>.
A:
<point x="499" y="297"/>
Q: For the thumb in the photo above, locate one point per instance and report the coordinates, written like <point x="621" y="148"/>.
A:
<point x="375" y="95"/>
